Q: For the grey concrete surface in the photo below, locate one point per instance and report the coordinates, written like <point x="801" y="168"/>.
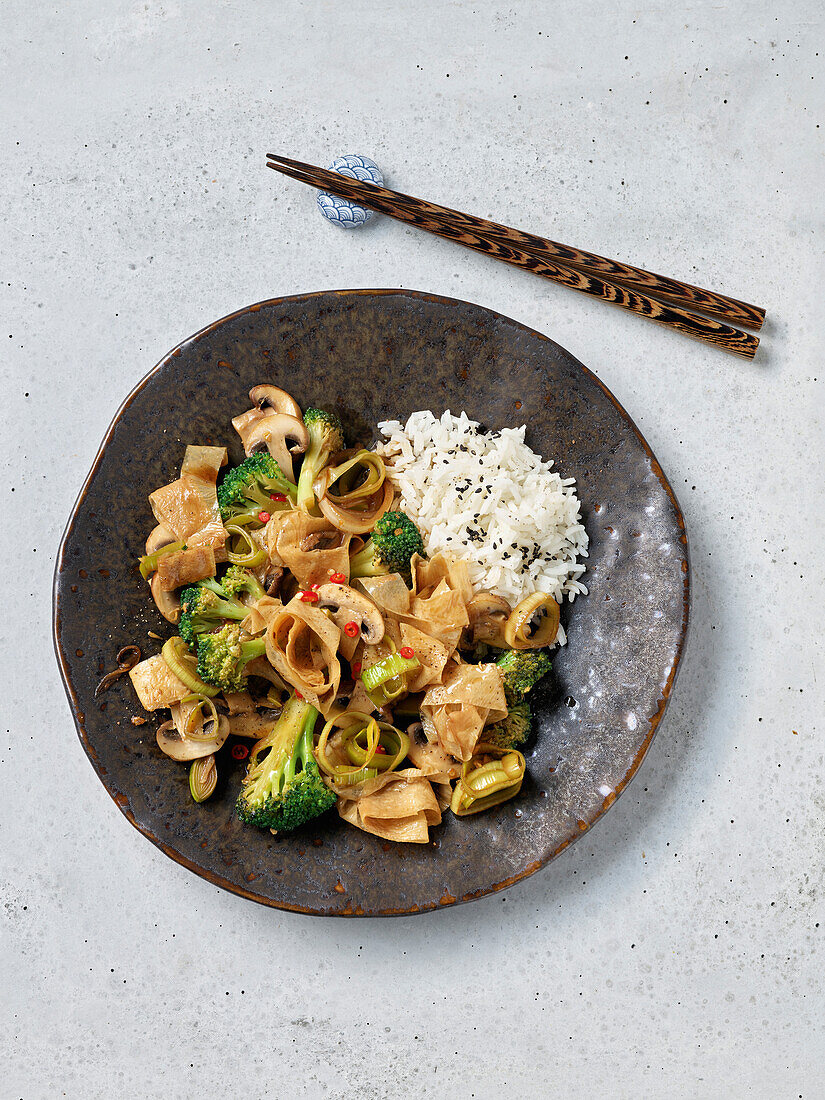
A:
<point x="677" y="950"/>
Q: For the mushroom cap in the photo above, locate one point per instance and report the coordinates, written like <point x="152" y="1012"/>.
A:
<point x="244" y="421"/>
<point x="274" y="398"/>
<point x="159" y="536"/>
<point x="168" y="603"/>
<point x="488" y="615"/>
<point x="346" y="605"/>
<point x="276" y="431"/>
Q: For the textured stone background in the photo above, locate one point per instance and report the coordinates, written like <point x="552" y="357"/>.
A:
<point x="675" y="951"/>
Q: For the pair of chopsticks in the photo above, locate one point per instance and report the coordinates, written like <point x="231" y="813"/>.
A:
<point x="681" y="306"/>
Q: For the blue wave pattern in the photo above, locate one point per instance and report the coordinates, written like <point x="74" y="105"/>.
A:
<point x="343" y="213"/>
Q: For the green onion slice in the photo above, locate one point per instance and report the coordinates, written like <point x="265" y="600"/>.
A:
<point x="484" y="783"/>
<point x="347" y="480"/>
<point x="252" y="556"/>
<point x="392" y="667"/>
<point x="203" y="778"/>
<point x="177" y="656"/>
<point x="197" y="721"/>
<point x="394" y="743"/>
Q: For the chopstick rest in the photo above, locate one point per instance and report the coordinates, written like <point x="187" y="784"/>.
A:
<point x="349" y="215"/>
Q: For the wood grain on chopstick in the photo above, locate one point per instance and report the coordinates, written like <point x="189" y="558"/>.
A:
<point x="514" y="247"/>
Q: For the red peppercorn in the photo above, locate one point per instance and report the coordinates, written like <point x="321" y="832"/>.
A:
<point x="356" y="668"/>
<point x="309" y="597"/>
<point x="263" y="517"/>
<point x="240" y="752"/>
<point x="338" y="578"/>
<point x="380" y="750"/>
<point x="314" y="587"/>
<point x="406" y="651"/>
<point x="351" y="630"/>
<point x="279" y="497"/>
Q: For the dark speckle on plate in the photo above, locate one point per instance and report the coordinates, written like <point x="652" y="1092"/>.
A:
<point x="377" y="355"/>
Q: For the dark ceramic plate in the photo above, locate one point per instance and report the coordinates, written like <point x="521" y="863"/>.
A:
<point x="377" y="355"/>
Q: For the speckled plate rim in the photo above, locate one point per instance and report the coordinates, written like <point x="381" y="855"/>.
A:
<point x="121" y="800"/>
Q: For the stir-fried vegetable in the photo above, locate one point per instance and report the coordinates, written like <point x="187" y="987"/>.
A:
<point x="224" y="655"/>
<point x="370" y="747"/>
<point x="522" y="670"/>
<point x="283" y="788"/>
<point x="176" y="654"/>
<point x="241" y="548"/>
<point x="533" y="623"/>
<point x="354" y="495"/>
<point x="257" y="485"/>
<point x="492" y="776"/>
<point x="395" y="538"/>
<point x="206" y="606"/>
<point x="326" y="436"/>
<point x="513" y="730"/>
<point x="387" y="680"/>
<point x="203" y="778"/>
<point x="237" y="580"/>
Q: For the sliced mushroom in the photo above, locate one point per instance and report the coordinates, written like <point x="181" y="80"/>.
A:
<point x="270" y="397"/>
<point x="488" y="615"/>
<point x="244" y="423"/>
<point x="289" y="588"/>
<point x="416" y="734"/>
<point x="168" y="603"/>
<point x="179" y="747"/>
<point x="159" y="536"/>
<point x="283" y="436"/>
<point x="345" y="605"/>
<point x="322" y="540"/>
<point x="272" y="580"/>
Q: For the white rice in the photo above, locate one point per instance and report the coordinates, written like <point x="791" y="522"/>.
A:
<point x="487" y="498"/>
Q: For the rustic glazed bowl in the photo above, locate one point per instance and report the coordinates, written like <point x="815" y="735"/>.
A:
<point x="374" y="355"/>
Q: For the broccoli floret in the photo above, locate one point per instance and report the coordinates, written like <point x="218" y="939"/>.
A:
<point x="205" y="606"/>
<point x="394" y="540"/>
<point x="223" y="657"/>
<point x="511" y="732"/>
<point x="283" y="789"/>
<point x="522" y="668"/>
<point x="325" y="437"/>
<point x="237" y="580"/>
<point x="247" y="489"/>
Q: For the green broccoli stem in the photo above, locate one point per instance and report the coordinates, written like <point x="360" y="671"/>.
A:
<point x="294" y="733"/>
<point x="363" y="563"/>
<point x="270" y="485"/>
<point x="230" y="609"/>
<point x="255" y="647"/>
<point x="254" y="587"/>
<point x="306" y="494"/>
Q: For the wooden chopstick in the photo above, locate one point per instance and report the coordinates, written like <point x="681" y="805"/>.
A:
<point x="660" y="286"/>
<point x="514" y="247"/>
